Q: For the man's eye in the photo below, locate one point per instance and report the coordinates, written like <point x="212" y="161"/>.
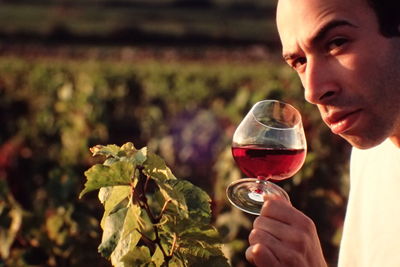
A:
<point x="336" y="43"/>
<point x="298" y="62"/>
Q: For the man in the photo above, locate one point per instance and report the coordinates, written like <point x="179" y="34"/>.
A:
<point x="347" y="55"/>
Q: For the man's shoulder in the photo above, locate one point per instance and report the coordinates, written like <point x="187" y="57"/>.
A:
<point x="380" y="155"/>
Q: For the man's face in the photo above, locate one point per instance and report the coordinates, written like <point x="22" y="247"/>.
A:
<point x="347" y="68"/>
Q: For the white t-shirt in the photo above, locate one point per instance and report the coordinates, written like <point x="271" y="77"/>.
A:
<point x="371" y="234"/>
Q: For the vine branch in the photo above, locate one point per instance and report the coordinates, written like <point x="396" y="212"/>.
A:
<point x="138" y="194"/>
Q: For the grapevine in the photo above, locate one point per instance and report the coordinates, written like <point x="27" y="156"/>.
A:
<point x="151" y="218"/>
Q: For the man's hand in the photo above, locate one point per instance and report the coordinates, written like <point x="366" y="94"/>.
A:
<point x="284" y="236"/>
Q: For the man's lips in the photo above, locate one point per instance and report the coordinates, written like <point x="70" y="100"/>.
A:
<point x="342" y="121"/>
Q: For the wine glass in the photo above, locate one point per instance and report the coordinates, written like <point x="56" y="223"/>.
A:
<point x="269" y="144"/>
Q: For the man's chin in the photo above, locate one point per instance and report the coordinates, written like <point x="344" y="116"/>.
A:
<point x="361" y="142"/>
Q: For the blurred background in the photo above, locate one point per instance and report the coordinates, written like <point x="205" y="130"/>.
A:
<point x="174" y="75"/>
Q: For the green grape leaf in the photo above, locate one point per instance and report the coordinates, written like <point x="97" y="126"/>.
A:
<point x="126" y="152"/>
<point x="214" y="261"/>
<point x="200" y="253"/>
<point x="184" y="259"/>
<point x="119" y="173"/>
<point x="120" y="233"/>
<point x="198" y="240"/>
<point x="108" y="151"/>
<point x="173" y="217"/>
<point x="177" y="203"/>
<point x="176" y="261"/>
<point x="158" y="257"/>
<point x="132" y="154"/>
<point x="197" y="200"/>
<point x="190" y="200"/>
<point x="129" y="235"/>
<point x="200" y="249"/>
<point x="128" y="147"/>
<point x="138" y="256"/>
<point x="110" y="161"/>
<point x="112" y="232"/>
<point x="141" y="156"/>
<point x="111" y="196"/>
<point x="205" y="233"/>
<point x="156" y="168"/>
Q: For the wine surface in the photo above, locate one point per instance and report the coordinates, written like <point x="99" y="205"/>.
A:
<point x="271" y="163"/>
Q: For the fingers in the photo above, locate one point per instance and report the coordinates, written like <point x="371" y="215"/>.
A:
<point x="282" y="235"/>
<point x="266" y="250"/>
<point x="276" y="197"/>
<point x="259" y="236"/>
<point x="261" y="255"/>
<point x="279" y="230"/>
<point x="281" y="210"/>
<point x="276" y="236"/>
<point x="276" y="207"/>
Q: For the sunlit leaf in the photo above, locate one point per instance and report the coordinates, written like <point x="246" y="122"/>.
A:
<point x="129" y="235"/>
<point x="156" y="168"/>
<point x="177" y="262"/>
<point x="177" y="202"/>
<point x="110" y="161"/>
<point x="112" y="232"/>
<point x="197" y="200"/>
<point x="119" y="173"/>
<point x="136" y="257"/>
<point x="180" y="221"/>
<point x="129" y="146"/>
<point x="158" y="258"/>
<point x="108" y="151"/>
<point x="214" y="261"/>
<point x="112" y="196"/>
<point x="206" y="233"/>
<point x="188" y="198"/>
<point x="141" y="156"/>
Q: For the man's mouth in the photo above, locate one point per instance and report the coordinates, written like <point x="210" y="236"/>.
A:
<point x="342" y="121"/>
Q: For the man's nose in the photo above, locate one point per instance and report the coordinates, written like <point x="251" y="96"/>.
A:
<point x="319" y="82"/>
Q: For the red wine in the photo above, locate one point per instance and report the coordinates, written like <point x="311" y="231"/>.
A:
<point x="271" y="163"/>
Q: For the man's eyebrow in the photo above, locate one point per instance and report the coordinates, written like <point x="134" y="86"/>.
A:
<point x="321" y="34"/>
<point x="325" y="29"/>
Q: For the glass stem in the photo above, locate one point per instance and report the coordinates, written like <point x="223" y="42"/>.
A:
<point x="261" y="181"/>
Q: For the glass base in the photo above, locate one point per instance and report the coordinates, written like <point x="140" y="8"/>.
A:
<point x="247" y="194"/>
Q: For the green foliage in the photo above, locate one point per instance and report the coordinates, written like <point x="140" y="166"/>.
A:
<point x="52" y="111"/>
<point x="136" y="231"/>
